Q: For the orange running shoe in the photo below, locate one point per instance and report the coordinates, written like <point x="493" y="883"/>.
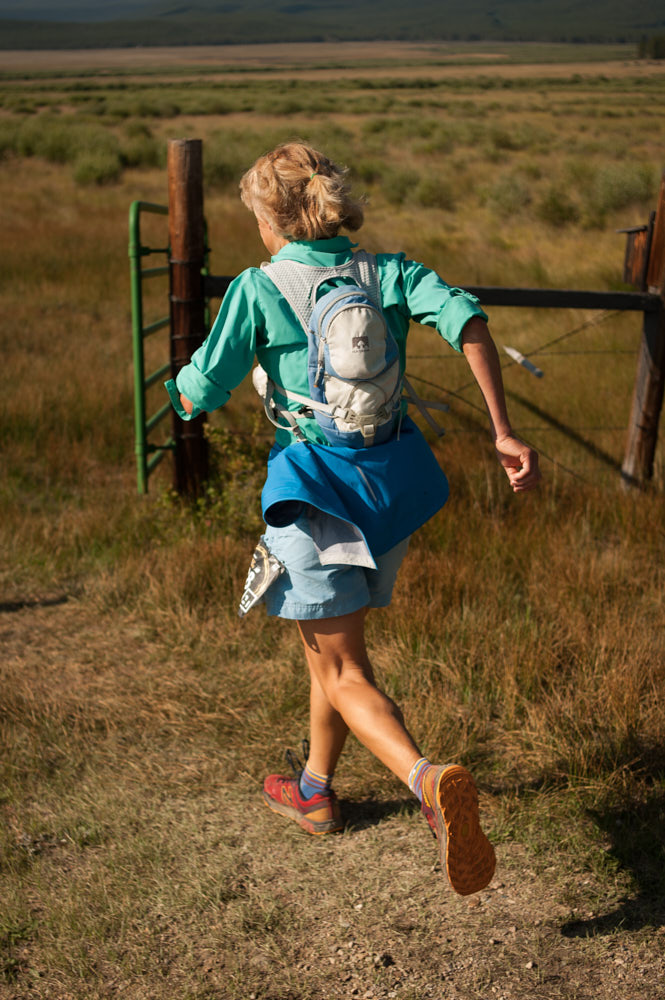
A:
<point x="450" y="806"/>
<point x="318" y="815"/>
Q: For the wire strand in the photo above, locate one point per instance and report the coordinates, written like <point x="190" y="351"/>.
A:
<point x="594" y="321"/>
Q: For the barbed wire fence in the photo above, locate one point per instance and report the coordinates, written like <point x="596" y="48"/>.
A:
<point x="191" y="287"/>
<point x="549" y="421"/>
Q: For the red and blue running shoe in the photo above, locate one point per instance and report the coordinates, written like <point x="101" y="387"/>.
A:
<point x="450" y="806"/>
<point x="317" y="815"/>
<point x="320" y="814"/>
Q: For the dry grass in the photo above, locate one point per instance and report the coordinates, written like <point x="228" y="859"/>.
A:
<point x="400" y="56"/>
<point x="138" y="714"/>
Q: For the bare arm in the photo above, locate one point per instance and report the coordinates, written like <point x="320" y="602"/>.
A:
<point x="518" y="459"/>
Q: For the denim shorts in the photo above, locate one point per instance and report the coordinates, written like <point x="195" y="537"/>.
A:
<point x="309" y="590"/>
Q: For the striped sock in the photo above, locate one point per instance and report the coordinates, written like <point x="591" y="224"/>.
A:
<point x="312" y="783"/>
<point x="417" y="775"/>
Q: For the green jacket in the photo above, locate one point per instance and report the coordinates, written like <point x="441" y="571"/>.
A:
<point x="255" y="320"/>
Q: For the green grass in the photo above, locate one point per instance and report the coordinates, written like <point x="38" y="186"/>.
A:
<point x="138" y="714"/>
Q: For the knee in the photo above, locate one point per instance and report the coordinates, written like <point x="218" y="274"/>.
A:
<point x="346" y="681"/>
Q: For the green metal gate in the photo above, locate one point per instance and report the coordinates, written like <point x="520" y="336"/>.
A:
<point x="148" y="455"/>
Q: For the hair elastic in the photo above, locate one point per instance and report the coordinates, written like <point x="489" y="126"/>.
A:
<point x="315" y="174"/>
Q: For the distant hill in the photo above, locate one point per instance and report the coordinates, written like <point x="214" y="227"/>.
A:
<point x="73" y="10"/>
<point x="33" y="24"/>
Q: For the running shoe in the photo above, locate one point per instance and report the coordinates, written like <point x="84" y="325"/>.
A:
<point x="450" y="806"/>
<point x="318" y="815"/>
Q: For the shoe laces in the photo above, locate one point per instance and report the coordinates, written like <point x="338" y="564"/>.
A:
<point x="294" y="763"/>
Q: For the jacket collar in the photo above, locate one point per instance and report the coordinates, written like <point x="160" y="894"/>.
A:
<point x="324" y="253"/>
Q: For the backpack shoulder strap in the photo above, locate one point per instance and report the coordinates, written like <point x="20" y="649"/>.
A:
<point x="299" y="282"/>
<point x="367" y="274"/>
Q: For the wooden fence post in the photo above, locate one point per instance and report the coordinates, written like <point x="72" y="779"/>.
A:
<point x="650" y="379"/>
<point x="188" y="328"/>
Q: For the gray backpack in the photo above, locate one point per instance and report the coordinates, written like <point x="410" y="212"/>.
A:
<point x="353" y="360"/>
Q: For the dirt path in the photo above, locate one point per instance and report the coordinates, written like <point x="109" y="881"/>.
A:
<point x="243" y="905"/>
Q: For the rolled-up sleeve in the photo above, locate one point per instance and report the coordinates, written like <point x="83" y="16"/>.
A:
<point x="225" y="357"/>
<point x="427" y="299"/>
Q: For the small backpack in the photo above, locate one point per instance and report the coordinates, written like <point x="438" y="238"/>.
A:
<point x="353" y="360"/>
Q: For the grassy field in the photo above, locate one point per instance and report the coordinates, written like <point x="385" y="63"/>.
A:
<point x="138" y="714"/>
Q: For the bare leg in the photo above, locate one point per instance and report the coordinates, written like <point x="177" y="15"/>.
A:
<point x="328" y="731"/>
<point x="344" y="695"/>
<point x="339" y="664"/>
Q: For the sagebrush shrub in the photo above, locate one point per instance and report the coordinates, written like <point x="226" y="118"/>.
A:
<point x="557" y="208"/>
<point x="509" y="195"/>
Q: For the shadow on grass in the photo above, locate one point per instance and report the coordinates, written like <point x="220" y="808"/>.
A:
<point x="570" y="432"/>
<point x="7" y="607"/>
<point x="636" y="833"/>
<point x="360" y="815"/>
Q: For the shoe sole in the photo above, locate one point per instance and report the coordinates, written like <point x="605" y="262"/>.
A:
<point x="317" y="828"/>
<point x="466" y="854"/>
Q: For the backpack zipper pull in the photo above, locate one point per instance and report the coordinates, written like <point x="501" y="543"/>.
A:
<point x="321" y="361"/>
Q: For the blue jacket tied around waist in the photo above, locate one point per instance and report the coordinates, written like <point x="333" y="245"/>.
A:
<point x="387" y="491"/>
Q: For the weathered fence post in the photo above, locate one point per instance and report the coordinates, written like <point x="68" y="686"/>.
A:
<point x="650" y="379"/>
<point x="188" y="328"/>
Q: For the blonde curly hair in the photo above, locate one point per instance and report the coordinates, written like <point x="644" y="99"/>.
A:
<point x="301" y="193"/>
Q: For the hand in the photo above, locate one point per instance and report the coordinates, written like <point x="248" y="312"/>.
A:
<point x="519" y="461"/>
<point x="186" y="404"/>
